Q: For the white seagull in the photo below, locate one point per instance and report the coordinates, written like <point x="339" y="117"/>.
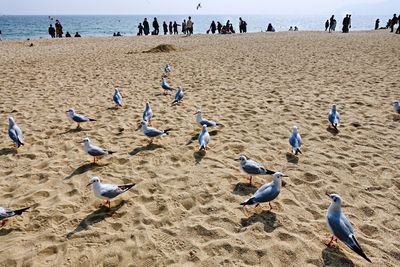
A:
<point x="201" y="121"/>
<point x="152" y="132"/>
<point x="295" y="141"/>
<point x="334" y="117"/>
<point x="147" y="113"/>
<point x="167" y="68"/>
<point x="165" y="85"/>
<point x="15" y="133"/>
<point x="95" y="151"/>
<point x="396" y="106"/>
<point x="267" y="192"/>
<point x="340" y="226"/>
<point x="178" y="96"/>
<point x="117" y="98"/>
<point x="204" y="138"/>
<point x="252" y="167"/>
<point x="107" y="191"/>
<point x="78" y="118"/>
<point x="7" y="213"/>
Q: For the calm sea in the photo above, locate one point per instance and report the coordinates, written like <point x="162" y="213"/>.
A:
<point x="22" y="27"/>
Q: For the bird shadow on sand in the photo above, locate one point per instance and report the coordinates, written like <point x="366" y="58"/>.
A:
<point x="199" y="155"/>
<point x="292" y="158"/>
<point x="74" y="130"/>
<point x="4" y="231"/>
<point x="95" y="217"/>
<point x="196" y="136"/>
<point x="332" y="130"/>
<point x="244" y="189"/>
<point x="149" y="147"/>
<point x="7" y="151"/>
<point x="265" y="217"/>
<point x="84" y="168"/>
<point x="332" y="256"/>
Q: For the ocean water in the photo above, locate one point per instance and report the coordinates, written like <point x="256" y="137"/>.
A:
<point x="23" y="27"/>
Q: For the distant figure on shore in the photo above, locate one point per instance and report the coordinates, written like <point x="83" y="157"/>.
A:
<point x="393" y="22"/>
<point x="291" y="29"/>
<point x="270" y="28"/>
<point x="296" y="29"/>
<point x="67" y="35"/>
<point x="376" y="24"/>
<point x="165" y="28"/>
<point x="326" y="24"/>
<point x="189" y="26"/>
<point x="332" y="23"/>
<point x="213" y="27"/>
<point x="175" y="26"/>
<point x="146" y="27"/>
<point x="0" y="35"/>
<point x="397" y="31"/>
<point x="118" y="34"/>
<point x="242" y="26"/>
<point x="184" y="26"/>
<point x="346" y="24"/>
<point x="59" y="28"/>
<point x="140" y="27"/>
<point x="156" y="26"/>
<point x="170" y="27"/>
<point x="52" y="31"/>
<point x="231" y="28"/>
<point x="219" y="26"/>
<point x="78" y="35"/>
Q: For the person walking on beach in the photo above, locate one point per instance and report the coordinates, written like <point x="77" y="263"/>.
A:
<point x="140" y="27"/>
<point x="377" y="24"/>
<point x="156" y="26"/>
<point x="189" y="26"/>
<point x="219" y="26"/>
<point x="52" y="31"/>
<point x="326" y="24"/>
<point x="170" y="27"/>
<point x="213" y="27"/>
<point x="165" y="28"/>
<point x="331" y="21"/>
<point x="184" y="26"/>
<point x="59" y="28"/>
<point x="393" y="22"/>
<point x="146" y="27"/>
<point x="175" y="26"/>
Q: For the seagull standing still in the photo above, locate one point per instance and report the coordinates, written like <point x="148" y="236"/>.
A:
<point x="15" y="133"/>
<point x="201" y="121"/>
<point x="334" y="117"/>
<point x="204" y="138"/>
<point x="165" y="85"/>
<point x="267" y="192"/>
<point x="178" y="96"/>
<point x="147" y="113"/>
<point x="396" y="106"/>
<point x="78" y="118"/>
<point x="167" y="68"/>
<point x="117" y="98"/>
<point x="107" y="191"/>
<point x="340" y="226"/>
<point x="95" y="151"/>
<point x="8" y="213"/>
<point x="295" y="141"/>
<point x="252" y="168"/>
<point x="152" y="132"/>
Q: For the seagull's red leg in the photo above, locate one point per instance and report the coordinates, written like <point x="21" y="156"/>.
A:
<point x="330" y="242"/>
<point x="3" y="222"/>
<point x="270" y="206"/>
<point x="250" y="179"/>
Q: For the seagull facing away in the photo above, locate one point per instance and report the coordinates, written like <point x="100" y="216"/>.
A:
<point x="152" y="132"/>
<point x="252" y="168"/>
<point x="117" y="98"/>
<point x="165" y="85"/>
<point x="267" y="192"/>
<point x="204" y="138"/>
<point x="107" y="191"/>
<point x="295" y="141"/>
<point x="334" y="117"/>
<point x="78" y="118"/>
<point x="7" y="213"/>
<point x="167" y="68"/>
<point x="15" y="133"/>
<point x="95" y="151"/>
<point x="340" y="226"/>
<point x="147" y="113"/>
<point x="396" y="106"/>
<point x="201" y="121"/>
<point x="178" y="96"/>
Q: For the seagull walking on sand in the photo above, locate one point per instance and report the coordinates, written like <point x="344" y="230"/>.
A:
<point x="147" y="113"/>
<point x="295" y="141"/>
<point x="340" y="226"/>
<point x="267" y="192"/>
<point x="15" y="133"/>
<point x="201" y="121"/>
<point x="165" y="85"/>
<point x="5" y="214"/>
<point x="167" y="68"/>
<point x="204" y="138"/>
<point x="78" y="118"/>
<point x="396" y="106"/>
<point x="117" y="98"/>
<point x="252" y="168"/>
<point x="107" y="191"/>
<point x="152" y="132"/>
<point x="334" y="117"/>
<point x="95" y="151"/>
<point x="178" y="96"/>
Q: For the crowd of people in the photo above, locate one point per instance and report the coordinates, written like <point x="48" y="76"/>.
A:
<point x="171" y="28"/>
<point x="57" y="31"/>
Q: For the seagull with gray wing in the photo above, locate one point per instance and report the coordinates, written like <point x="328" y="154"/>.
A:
<point x="15" y="133"/>
<point x="147" y="113"/>
<point x="178" y="96"/>
<point x="78" y="118"/>
<point x="295" y="141"/>
<point x="396" y="106"/>
<point x="252" y="168"/>
<point x="117" y="98"/>
<point x="165" y="85"/>
<point x="5" y="214"/>
<point x="95" y="151"/>
<point x="152" y="132"/>
<point x="334" y="117"/>
<point x="204" y="138"/>
<point x="201" y="121"/>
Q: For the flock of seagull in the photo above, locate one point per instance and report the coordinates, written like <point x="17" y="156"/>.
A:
<point x="337" y="222"/>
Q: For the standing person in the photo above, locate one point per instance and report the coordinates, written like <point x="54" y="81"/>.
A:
<point x="240" y="25"/>
<point x="393" y="22"/>
<point x="377" y="24"/>
<point x="52" y="31"/>
<point x="175" y="26"/>
<point x="146" y="27"/>
<point x="345" y="24"/>
<point x="219" y="26"/>
<point x="334" y="25"/>
<point x="0" y="35"/>
<point x="156" y="26"/>
<point x="170" y="27"/>
<point x="184" y="26"/>
<point x="397" y="31"/>
<point x="213" y="27"/>
<point x="59" y="27"/>
<point x="244" y="26"/>
<point x="326" y="24"/>
<point x="140" y="27"/>
<point x="189" y="26"/>
<point x="331" y="21"/>
<point x="165" y="28"/>
<point x="349" y="22"/>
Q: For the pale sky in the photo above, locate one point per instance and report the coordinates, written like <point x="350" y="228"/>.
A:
<point x="188" y="7"/>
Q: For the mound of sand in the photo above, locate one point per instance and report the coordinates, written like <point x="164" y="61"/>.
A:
<point x="162" y="48"/>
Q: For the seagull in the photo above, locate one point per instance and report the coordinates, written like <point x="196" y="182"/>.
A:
<point x="95" y="151"/>
<point x="252" y="168"/>
<point x="334" y="117"/>
<point x="152" y="132"/>
<point x="198" y="6"/>
<point x="201" y="121"/>
<point x="78" y="117"/>
<point x="396" y="106"/>
<point x="117" y="98"/>
<point x="340" y="226"/>
<point x="107" y="191"/>
<point x="295" y="141"/>
<point x="178" y="96"/>
<point x="267" y="192"/>
<point x="15" y="133"/>
<point x="204" y="138"/>
<point x="167" y="68"/>
<point x="147" y="113"/>
<point x="165" y="85"/>
<point x="7" y="213"/>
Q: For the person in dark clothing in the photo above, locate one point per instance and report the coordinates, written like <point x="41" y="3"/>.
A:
<point x="184" y="26"/>
<point x="231" y="28"/>
<point x="377" y="24"/>
<point x="165" y="28"/>
<point x="52" y="31"/>
<point x="146" y="27"/>
<point x="156" y="26"/>
<point x="67" y="35"/>
<point x="170" y="27"/>
<point x="228" y="23"/>
<point x="213" y="27"/>
<point x="78" y="35"/>
<point x="242" y="26"/>
<point x="346" y="23"/>
<point x="175" y="26"/>
<point x="397" y="31"/>
<point x="393" y="22"/>
<point x="59" y="28"/>
<point x="326" y="24"/>
<point x="270" y="28"/>
<point x="219" y="26"/>
<point x="118" y="34"/>
<point x="140" y="27"/>
<point x="331" y="23"/>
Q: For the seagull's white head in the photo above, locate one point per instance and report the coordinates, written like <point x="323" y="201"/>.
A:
<point x="334" y="107"/>
<point x="85" y="141"/>
<point x="336" y="199"/>
<point x="242" y="159"/>
<point x="11" y="120"/>
<point x="278" y="176"/>
<point x="147" y="103"/>
<point x="94" y="180"/>
<point x="116" y="90"/>
<point x="295" y="129"/>
<point x="396" y="103"/>
<point x="204" y="128"/>
<point x="71" y="112"/>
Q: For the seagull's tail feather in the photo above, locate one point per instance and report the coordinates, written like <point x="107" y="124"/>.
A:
<point x="202" y="147"/>
<point x="218" y="124"/>
<point x="126" y="187"/>
<point x="19" y="143"/>
<point x="92" y="119"/>
<point x="111" y="152"/>
<point x="20" y="211"/>
<point x="357" y="249"/>
<point x="297" y="151"/>
<point x="166" y="131"/>
<point x="249" y="201"/>
<point x="175" y="101"/>
<point x="269" y="172"/>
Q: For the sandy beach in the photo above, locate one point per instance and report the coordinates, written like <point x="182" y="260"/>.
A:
<point x="184" y="209"/>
